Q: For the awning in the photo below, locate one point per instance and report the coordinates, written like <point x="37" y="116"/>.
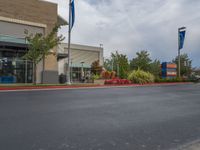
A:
<point x="61" y="56"/>
<point x="12" y="41"/>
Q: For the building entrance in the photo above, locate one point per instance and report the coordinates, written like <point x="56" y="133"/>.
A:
<point x="78" y="74"/>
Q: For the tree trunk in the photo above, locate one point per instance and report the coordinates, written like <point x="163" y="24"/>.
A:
<point x="35" y="74"/>
<point x="43" y="68"/>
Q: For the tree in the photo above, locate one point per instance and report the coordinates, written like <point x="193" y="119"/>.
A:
<point x="186" y="64"/>
<point x="39" y="47"/>
<point x="142" y="61"/>
<point x="50" y="41"/>
<point x="120" y="64"/>
<point x="155" y="68"/>
<point x="96" y="68"/>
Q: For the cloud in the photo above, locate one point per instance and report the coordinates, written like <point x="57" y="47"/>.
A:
<point x="130" y="26"/>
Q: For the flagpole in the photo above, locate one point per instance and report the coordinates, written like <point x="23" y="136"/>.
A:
<point x="69" y="44"/>
<point x="181" y="37"/>
<point x="179" y="57"/>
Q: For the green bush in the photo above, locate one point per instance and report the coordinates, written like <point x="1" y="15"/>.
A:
<point x="95" y="77"/>
<point x="164" y="80"/>
<point x="141" y="77"/>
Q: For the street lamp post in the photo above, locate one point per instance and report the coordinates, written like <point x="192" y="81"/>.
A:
<point x="82" y="71"/>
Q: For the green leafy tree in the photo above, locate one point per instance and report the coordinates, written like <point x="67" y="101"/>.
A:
<point x="120" y="64"/>
<point x="155" y="68"/>
<point x="186" y="64"/>
<point x="142" y="61"/>
<point x="39" y="47"/>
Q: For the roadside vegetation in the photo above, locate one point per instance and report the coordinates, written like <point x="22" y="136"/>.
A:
<point x="141" y="77"/>
<point x="143" y="69"/>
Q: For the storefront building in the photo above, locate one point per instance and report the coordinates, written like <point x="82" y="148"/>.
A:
<point x="16" y="16"/>
<point x="82" y="58"/>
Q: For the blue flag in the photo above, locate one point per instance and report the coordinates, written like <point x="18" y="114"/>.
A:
<point x="72" y="17"/>
<point x="181" y="38"/>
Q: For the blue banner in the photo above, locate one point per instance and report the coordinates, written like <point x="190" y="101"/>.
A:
<point x="181" y="38"/>
<point x="72" y="17"/>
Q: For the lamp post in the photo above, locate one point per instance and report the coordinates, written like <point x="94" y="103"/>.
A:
<point x="82" y="71"/>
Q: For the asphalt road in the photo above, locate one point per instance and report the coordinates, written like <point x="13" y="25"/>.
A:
<point x="137" y="118"/>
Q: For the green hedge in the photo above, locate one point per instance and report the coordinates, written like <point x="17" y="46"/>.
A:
<point x="141" y="77"/>
<point x="158" y="80"/>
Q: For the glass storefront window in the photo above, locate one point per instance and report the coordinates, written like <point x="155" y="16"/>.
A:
<point x="77" y="73"/>
<point x="15" y="71"/>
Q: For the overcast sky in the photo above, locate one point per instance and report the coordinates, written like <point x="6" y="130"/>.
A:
<point x="133" y="25"/>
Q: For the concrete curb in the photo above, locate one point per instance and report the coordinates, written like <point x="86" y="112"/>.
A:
<point x="47" y="88"/>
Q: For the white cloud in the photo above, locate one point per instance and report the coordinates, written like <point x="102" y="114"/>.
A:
<point x="133" y="25"/>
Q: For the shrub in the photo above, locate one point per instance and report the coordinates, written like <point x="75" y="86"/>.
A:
<point x="113" y="74"/>
<point x="96" y="68"/>
<point x="141" y="77"/>
<point x="95" y="77"/>
<point x="164" y="80"/>
<point x="105" y="74"/>
<point x="117" y="81"/>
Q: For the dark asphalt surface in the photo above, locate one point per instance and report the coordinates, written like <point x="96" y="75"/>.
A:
<point x="138" y="118"/>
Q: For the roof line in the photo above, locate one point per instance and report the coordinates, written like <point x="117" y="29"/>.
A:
<point x="46" y="1"/>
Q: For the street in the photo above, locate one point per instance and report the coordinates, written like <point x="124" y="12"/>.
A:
<point x="134" y="118"/>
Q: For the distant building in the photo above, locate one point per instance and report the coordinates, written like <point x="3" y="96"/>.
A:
<point x="81" y="58"/>
<point x="16" y="16"/>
